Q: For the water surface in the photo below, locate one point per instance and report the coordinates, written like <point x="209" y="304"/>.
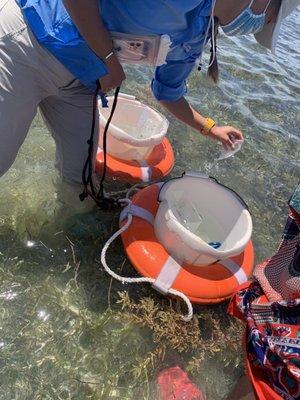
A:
<point x="63" y="334"/>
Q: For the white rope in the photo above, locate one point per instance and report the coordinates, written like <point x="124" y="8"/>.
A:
<point x="140" y="185"/>
<point x="103" y="257"/>
<point x="123" y="279"/>
<point x="132" y="189"/>
<point x="187" y="301"/>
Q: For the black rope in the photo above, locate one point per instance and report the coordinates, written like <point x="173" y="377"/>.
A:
<point x="104" y="144"/>
<point x="87" y="173"/>
<point x="242" y="201"/>
<point x="88" y="166"/>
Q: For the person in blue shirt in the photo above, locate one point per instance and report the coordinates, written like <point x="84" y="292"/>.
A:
<point x="54" y="52"/>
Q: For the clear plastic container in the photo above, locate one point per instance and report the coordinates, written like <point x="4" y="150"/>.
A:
<point x="227" y="153"/>
<point x="200" y="221"/>
<point x="135" y="129"/>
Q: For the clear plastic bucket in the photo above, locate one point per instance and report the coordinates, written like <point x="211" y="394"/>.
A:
<point x="135" y="128"/>
<point x="200" y="221"/>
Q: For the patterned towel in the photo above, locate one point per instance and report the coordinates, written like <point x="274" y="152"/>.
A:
<point x="272" y="342"/>
<point x="270" y="307"/>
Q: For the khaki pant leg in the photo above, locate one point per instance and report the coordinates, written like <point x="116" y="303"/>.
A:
<point x="19" y="94"/>
<point x="31" y="76"/>
<point x="69" y="119"/>
<point x="28" y="74"/>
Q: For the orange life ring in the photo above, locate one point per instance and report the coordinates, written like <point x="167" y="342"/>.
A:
<point x="206" y="285"/>
<point x="159" y="164"/>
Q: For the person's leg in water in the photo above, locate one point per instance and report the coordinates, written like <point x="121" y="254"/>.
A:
<point x="28" y="75"/>
<point x="19" y="90"/>
<point x="68" y="116"/>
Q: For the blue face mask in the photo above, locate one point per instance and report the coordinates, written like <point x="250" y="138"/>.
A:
<point x="246" y="23"/>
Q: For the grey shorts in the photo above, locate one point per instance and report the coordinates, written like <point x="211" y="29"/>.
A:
<point x="30" y="77"/>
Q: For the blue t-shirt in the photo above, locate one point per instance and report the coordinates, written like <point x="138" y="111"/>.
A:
<point x="185" y="21"/>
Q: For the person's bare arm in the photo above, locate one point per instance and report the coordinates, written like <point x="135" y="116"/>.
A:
<point x="86" y="16"/>
<point x="183" y="111"/>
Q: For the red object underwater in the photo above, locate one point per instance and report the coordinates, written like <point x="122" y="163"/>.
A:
<point x="174" y="384"/>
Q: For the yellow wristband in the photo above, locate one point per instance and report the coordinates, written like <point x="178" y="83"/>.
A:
<point x="209" y="124"/>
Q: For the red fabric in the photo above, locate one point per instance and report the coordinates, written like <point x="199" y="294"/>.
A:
<point x="261" y="388"/>
<point x="233" y="308"/>
<point x="258" y="380"/>
<point x="174" y="384"/>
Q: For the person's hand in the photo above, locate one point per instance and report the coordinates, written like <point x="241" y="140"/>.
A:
<point x="227" y="135"/>
<point x="115" y="75"/>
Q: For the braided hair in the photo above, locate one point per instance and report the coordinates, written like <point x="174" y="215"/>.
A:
<point x="213" y="69"/>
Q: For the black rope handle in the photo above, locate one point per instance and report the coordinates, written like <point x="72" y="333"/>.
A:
<point x="242" y="201"/>
<point x="88" y="166"/>
<point x="214" y="179"/>
<point x="104" y="144"/>
<point x="87" y="172"/>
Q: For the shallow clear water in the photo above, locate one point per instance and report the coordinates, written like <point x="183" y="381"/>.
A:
<point x="204" y="225"/>
<point x="63" y="335"/>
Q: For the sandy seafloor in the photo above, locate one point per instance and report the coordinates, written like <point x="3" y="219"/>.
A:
<point x="62" y="333"/>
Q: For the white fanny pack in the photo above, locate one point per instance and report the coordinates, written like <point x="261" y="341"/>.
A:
<point x="142" y="50"/>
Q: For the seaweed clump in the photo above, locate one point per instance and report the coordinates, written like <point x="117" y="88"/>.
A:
<point x="211" y="337"/>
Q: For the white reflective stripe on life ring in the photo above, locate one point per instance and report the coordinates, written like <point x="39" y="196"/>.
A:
<point x="167" y="276"/>
<point x="145" y="168"/>
<point x="146" y="171"/>
<point x="137" y="211"/>
<point x="236" y="270"/>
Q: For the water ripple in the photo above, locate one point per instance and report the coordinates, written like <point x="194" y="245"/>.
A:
<point x="61" y="336"/>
